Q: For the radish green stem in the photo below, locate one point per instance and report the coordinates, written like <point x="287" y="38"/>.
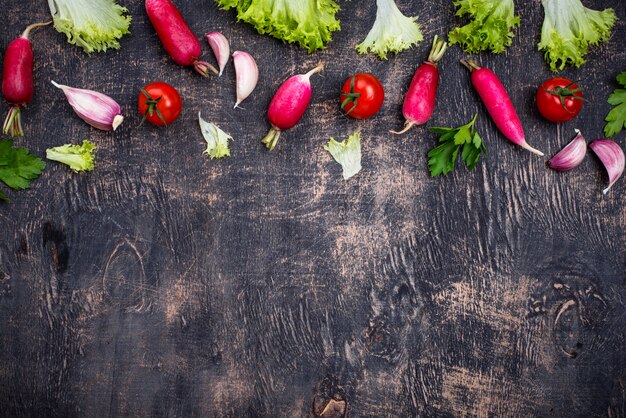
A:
<point x="437" y="51"/>
<point x="271" y="138"/>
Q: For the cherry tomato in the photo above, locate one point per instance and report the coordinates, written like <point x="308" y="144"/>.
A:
<point x="361" y="96"/>
<point x="160" y="104"/>
<point x="559" y="99"/>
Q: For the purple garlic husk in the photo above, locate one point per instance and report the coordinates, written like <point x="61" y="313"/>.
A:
<point x="612" y="157"/>
<point x="571" y="155"/>
<point x="97" y="109"/>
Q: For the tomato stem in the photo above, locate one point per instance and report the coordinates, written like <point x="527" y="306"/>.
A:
<point x="564" y="92"/>
<point x="152" y="107"/>
<point x="352" y="97"/>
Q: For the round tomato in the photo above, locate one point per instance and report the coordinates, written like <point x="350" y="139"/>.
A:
<point x="559" y="99"/>
<point x="361" y="96"/>
<point x="160" y="104"/>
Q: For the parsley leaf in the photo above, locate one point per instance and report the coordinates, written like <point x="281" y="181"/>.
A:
<point x="452" y="140"/>
<point x="616" y="118"/>
<point x="18" y="166"/>
<point x="3" y="197"/>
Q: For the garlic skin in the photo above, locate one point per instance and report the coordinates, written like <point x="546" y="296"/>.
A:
<point x="97" y="109"/>
<point x="221" y="49"/>
<point x="247" y="75"/>
<point x="571" y="155"/>
<point x="612" y="157"/>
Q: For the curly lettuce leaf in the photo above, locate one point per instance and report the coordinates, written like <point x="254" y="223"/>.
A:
<point x="216" y="139"/>
<point x="347" y="153"/>
<point x="392" y="31"/>
<point x="490" y="27"/>
<point x="569" y="28"/>
<point x="77" y="157"/>
<point x="94" y="25"/>
<point x="309" y="23"/>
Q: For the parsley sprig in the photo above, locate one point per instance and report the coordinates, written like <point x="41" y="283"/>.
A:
<point x="17" y="166"/>
<point x="442" y="158"/>
<point x="616" y="118"/>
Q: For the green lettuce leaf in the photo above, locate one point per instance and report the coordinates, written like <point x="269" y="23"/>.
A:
<point x="569" y="28"/>
<point x="94" y="25"/>
<point x="490" y="27"/>
<point x="392" y="31"/>
<point x="347" y="153"/>
<point x="77" y="157"/>
<point x="309" y="23"/>
<point x="216" y="139"/>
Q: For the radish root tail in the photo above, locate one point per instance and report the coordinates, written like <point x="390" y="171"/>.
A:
<point x="407" y="126"/>
<point x="531" y="149"/>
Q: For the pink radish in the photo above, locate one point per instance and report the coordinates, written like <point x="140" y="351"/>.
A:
<point x="499" y="105"/>
<point x="289" y="104"/>
<point x="419" y="102"/>
<point x="17" y="80"/>
<point x="178" y="40"/>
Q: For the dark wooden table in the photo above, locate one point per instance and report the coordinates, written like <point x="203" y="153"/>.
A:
<point x="166" y="284"/>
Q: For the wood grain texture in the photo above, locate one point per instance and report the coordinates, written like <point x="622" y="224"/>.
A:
<point x="166" y="284"/>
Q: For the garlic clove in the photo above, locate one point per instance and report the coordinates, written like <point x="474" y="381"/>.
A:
<point x="221" y="48"/>
<point x="612" y="158"/>
<point x="97" y="109"/>
<point x="571" y="156"/>
<point x="247" y="75"/>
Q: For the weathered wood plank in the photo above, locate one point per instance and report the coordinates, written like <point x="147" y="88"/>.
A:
<point x="165" y="284"/>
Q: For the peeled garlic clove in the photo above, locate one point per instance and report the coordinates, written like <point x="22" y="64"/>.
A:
<point x="571" y="156"/>
<point x="221" y="48"/>
<point x="247" y="75"/>
<point x="97" y="109"/>
<point x="612" y="157"/>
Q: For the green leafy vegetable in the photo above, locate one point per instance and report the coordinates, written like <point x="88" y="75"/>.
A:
<point x="392" y="31"/>
<point x="452" y="140"/>
<point x="78" y="157"/>
<point x="3" y="197"/>
<point x="216" y="139"/>
<point x="490" y="27"/>
<point x="347" y="153"/>
<point x="18" y="166"/>
<point x="569" y="28"/>
<point x="94" y="25"/>
<point x="616" y="119"/>
<point x="310" y="23"/>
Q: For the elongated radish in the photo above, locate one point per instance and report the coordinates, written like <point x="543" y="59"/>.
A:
<point x="178" y="40"/>
<point x="17" y="80"/>
<point x="499" y="105"/>
<point x="289" y="104"/>
<point x="419" y="102"/>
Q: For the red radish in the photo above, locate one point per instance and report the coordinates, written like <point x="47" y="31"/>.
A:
<point x="178" y="40"/>
<point x="419" y="102"/>
<point x="499" y="105"/>
<point x="289" y="104"/>
<point x="17" y="80"/>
